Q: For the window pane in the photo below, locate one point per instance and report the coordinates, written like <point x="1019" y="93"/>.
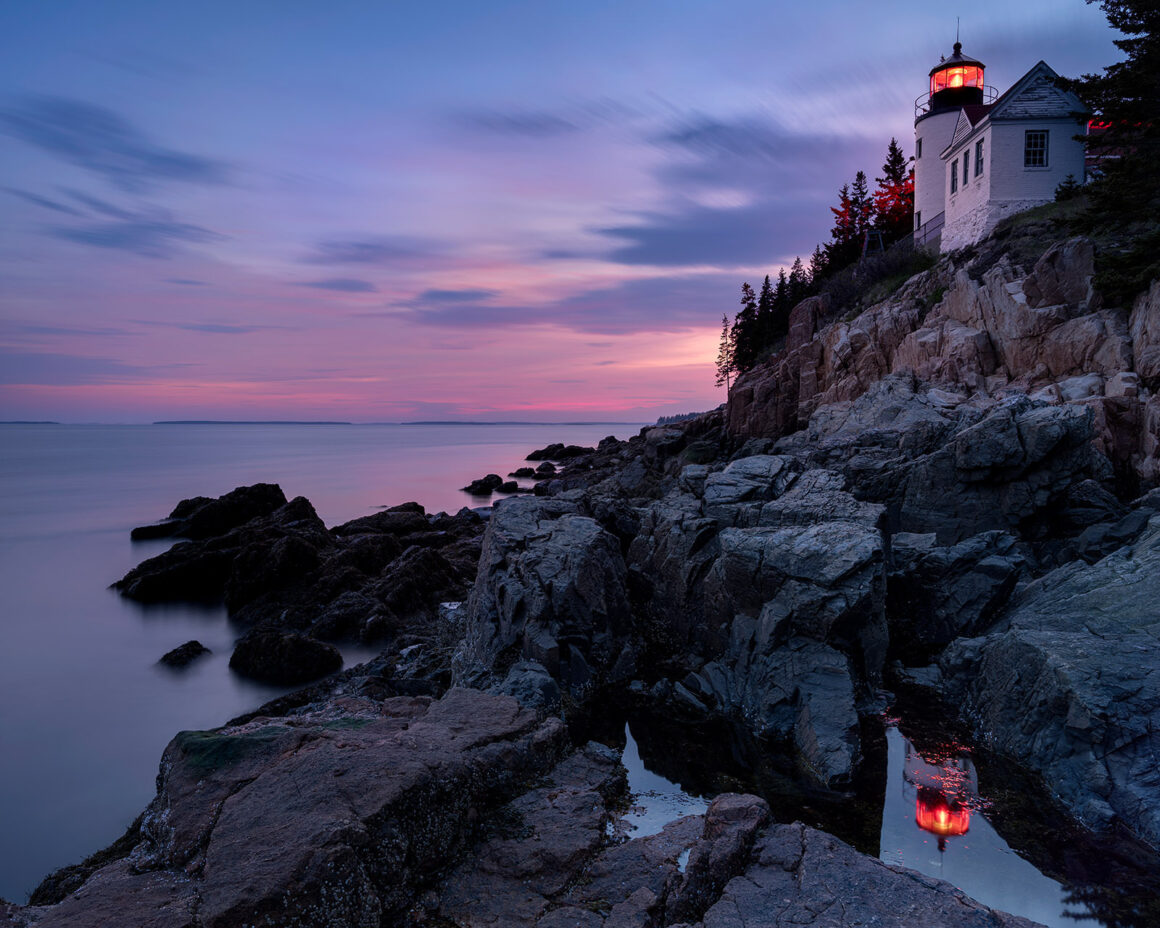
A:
<point x="1035" y="149"/>
<point x="978" y="157"/>
<point x="966" y="167"/>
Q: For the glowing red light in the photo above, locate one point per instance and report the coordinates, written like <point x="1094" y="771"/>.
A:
<point x="934" y="814"/>
<point x="957" y="76"/>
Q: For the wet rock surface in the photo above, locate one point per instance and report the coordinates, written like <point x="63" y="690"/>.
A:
<point x="484" y="486"/>
<point x="183" y="655"/>
<point x="294" y="587"/>
<point x="408" y="843"/>
<point x="203" y="517"/>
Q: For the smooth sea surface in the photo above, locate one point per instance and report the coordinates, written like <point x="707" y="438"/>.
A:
<point x="85" y="710"/>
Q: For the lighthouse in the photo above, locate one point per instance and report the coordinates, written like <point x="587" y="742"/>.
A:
<point x="955" y="82"/>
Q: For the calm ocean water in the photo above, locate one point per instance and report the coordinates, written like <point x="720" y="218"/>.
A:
<point x="85" y="711"/>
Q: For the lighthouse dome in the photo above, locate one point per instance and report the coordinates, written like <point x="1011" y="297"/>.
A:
<point x="956" y="81"/>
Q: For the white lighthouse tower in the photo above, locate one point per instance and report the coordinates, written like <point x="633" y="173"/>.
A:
<point x="955" y="82"/>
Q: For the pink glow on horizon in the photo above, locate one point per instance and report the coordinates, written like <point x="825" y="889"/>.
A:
<point x="549" y="373"/>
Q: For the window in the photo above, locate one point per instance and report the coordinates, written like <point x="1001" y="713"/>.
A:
<point x="1035" y="149"/>
<point x="918" y="148"/>
<point x="955" y="177"/>
<point x="978" y="157"/>
<point x="966" y="166"/>
<point x="918" y="219"/>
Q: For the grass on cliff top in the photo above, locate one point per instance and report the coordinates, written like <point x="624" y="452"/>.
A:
<point x="874" y="279"/>
<point x="1023" y="238"/>
<point x="1127" y="256"/>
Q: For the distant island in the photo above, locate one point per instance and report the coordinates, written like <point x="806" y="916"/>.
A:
<point x="248" y="422"/>
<point x="28" y="422"/>
<point x="502" y="422"/>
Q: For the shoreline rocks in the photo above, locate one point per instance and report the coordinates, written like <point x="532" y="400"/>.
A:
<point x="184" y="655"/>
<point x="294" y="587"/>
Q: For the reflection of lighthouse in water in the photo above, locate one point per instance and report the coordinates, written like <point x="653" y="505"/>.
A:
<point x="944" y="793"/>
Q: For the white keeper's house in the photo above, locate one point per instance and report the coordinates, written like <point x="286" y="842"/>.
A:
<point x="980" y="157"/>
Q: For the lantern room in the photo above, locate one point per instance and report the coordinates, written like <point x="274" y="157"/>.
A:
<point x="955" y="82"/>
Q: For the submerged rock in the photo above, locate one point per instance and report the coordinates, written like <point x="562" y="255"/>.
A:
<point x="296" y="583"/>
<point x="484" y="486"/>
<point x="283" y="658"/>
<point x="203" y="517"/>
<point x="183" y="655"/>
<point x="559" y="452"/>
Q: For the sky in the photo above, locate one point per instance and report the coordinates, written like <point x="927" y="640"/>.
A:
<point x="386" y="211"/>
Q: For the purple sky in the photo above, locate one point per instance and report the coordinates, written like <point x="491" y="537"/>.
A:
<point x="385" y="211"/>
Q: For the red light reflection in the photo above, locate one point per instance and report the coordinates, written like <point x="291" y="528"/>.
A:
<point x="946" y="790"/>
<point x="941" y="816"/>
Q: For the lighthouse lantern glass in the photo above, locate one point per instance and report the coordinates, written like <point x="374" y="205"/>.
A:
<point x="955" y="77"/>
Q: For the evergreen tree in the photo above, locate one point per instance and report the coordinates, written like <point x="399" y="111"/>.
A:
<point x="766" y="307"/>
<point x="839" y="250"/>
<point x="725" y="355"/>
<point x="861" y="207"/>
<point x="744" y="332"/>
<point x="781" y="294"/>
<point x="894" y="196"/>
<point x="817" y="267"/>
<point x="1126" y="101"/>
<point x="799" y="282"/>
<point x="782" y="306"/>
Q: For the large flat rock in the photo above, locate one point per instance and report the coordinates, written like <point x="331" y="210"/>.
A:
<point x="337" y="816"/>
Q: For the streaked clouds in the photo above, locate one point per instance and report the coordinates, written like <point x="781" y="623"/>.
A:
<point x="150" y="238"/>
<point x="52" y="369"/>
<point x="384" y="249"/>
<point x="341" y="285"/>
<point x="104" y="142"/>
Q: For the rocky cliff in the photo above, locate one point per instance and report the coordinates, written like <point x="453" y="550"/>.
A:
<point x="982" y="331"/>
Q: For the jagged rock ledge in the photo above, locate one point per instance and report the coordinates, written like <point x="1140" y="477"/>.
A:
<point x="468" y="810"/>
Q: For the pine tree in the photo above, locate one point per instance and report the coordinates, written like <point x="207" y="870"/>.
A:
<point x="725" y="355"/>
<point x="861" y="207"/>
<point x="1126" y="101"/>
<point x="744" y="332"/>
<point x="781" y="307"/>
<point x="839" y="251"/>
<point x="798" y="282"/>
<point x="766" y="306"/>
<point x="894" y="197"/>
<point x="817" y="267"/>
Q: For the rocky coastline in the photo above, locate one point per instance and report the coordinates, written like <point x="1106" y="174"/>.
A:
<point x="952" y="492"/>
